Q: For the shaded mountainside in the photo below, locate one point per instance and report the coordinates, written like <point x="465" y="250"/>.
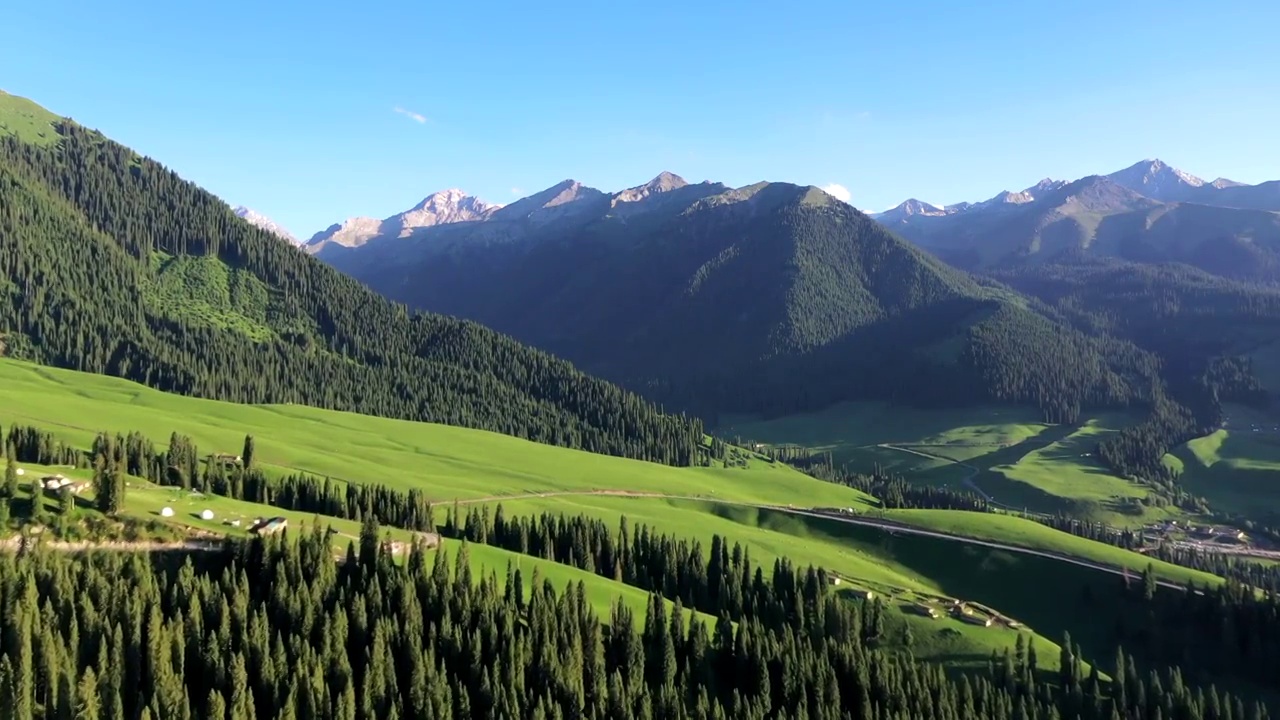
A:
<point x="770" y="298"/>
<point x="1205" y="330"/>
<point x="115" y="265"/>
<point x="1149" y="212"/>
<point x="1191" y="319"/>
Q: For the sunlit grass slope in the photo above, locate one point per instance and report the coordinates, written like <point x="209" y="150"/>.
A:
<point x="446" y="462"/>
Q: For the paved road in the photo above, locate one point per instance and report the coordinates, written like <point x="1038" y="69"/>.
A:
<point x="885" y="525"/>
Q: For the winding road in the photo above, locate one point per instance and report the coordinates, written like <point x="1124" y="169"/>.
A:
<point x="889" y="526"/>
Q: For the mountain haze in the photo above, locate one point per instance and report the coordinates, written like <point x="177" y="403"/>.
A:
<point x="1148" y="212"/>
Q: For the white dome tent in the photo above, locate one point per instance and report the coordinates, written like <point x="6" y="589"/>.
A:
<point x="166" y="512"/>
<point x="206" y="514"/>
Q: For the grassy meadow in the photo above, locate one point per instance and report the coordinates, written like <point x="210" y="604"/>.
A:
<point x="1020" y="463"/>
<point x="27" y="120"/>
<point x="1237" y="468"/>
<point x="472" y="467"/>
<point x="446" y="462"/>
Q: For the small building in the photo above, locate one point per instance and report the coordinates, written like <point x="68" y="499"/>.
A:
<point x="833" y="579"/>
<point x="865" y="594"/>
<point x="227" y="459"/>
<point x="922" y="609"/>
<point x="270" y="526"/>
<point x="54" y="485"/>
<point x="976" y="620"/>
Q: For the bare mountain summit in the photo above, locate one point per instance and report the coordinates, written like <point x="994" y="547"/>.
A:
<point x="908" y="209"/>
<point x="257" y="219"/>
<point x="664" y="182"/>
<point x="441" y="208"/>
<point x="1158" y="181"/>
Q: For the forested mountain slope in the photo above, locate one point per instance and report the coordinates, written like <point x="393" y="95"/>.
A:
<point x="769" y="298"/>
<point x="1203" y="328"/>
<point x="112" y="264"/>
<point x="275" y="629"/>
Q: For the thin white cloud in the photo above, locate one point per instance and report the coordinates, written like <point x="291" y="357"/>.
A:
<point x="838" y="191"/>
<point x="517" y="191"/>
<point x="416" y="117"/>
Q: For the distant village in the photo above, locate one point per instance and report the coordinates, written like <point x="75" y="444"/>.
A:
<point x="1174" y="531"/>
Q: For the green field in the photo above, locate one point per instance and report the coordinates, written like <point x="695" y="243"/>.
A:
<point x="144" y="501"/>
<point x="1237" y="468"/>
<point x="848" y="430"/>
<point x="472" y="466"/>
<point x="1064" y="475"/>
<point x="1019" y="463"/>
<point x="446" y="462"/>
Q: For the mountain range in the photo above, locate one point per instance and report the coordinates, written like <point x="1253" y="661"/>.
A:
<point x="1148" y="212"/>
<point x="714" y="299"/>
<point x="768" y="299"/>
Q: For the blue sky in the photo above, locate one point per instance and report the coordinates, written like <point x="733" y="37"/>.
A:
<point x="313" y="112"/>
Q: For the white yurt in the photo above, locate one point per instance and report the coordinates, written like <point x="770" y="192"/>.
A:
<point x="166" y="512"/>
<point x="206" y="514"/>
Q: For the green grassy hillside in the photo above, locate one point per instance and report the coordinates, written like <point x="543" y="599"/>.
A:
<point x="1238" y="467"/>
<point x="26" y="120"/>
<point x="1017" y="462"/>
<point x="476" y="466"/>
<point x="232" y="518"/>
<point x="446" y="462"/>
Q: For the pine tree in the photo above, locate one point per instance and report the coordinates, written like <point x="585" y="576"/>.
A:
<point x="246" y="456"/>
<point x="88" y="704"/>
<point x="10" y="489"/>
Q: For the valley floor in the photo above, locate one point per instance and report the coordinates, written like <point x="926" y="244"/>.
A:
<point x="1003" y="454"/>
